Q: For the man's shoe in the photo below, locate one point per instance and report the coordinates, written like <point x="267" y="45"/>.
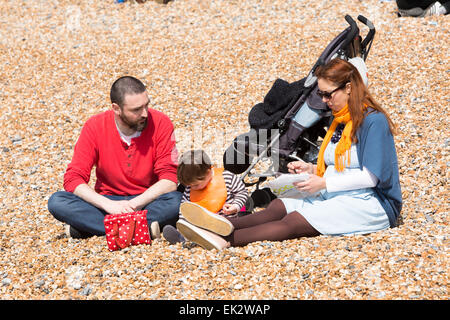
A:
<point x="203" y="238"/>
<point x="203" y="218"/>
<point x="155" y="232"/>
<point x="71" y="232"/>
<point x="172" y="235"/>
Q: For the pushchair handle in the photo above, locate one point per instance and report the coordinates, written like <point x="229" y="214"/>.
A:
<point x="366" y="21"/>
<point x="366" y="44"/>
<point x="351" y="22"/>
<point x="354" y="30"/>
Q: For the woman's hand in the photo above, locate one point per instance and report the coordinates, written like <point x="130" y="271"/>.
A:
<point x="300" y="167"/>
<point x="312" y="185"/>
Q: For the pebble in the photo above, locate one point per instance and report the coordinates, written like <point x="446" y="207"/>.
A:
<point x="86" y="291"/>
<point x="206" y="64"/>
<point x="39" y="284"/>
<point x="6" y="282"/>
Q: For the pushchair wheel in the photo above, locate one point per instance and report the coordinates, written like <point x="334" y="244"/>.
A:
<point x="236" y="159"/>
<point x="261" y="198"/>
<point x="239" y="155"/>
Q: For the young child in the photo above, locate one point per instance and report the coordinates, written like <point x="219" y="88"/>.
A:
<point x="215" y="190"/>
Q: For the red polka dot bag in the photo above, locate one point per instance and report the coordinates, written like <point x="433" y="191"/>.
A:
<point x="126" y="229"/>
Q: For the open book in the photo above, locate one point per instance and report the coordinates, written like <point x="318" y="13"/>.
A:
<point x="283" y="186"/>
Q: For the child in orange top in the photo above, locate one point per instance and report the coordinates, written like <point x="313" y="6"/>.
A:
<point x="215" y="189"/>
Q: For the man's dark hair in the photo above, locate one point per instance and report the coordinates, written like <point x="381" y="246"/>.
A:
<point x="123" y="86"/>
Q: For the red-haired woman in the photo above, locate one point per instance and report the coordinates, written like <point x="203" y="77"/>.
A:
<point x="356" y="176"/>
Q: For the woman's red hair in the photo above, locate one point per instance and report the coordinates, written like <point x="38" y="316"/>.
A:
<point x="339" y="72"/>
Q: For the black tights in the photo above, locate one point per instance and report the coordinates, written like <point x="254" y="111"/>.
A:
<point x="271" y="224"/>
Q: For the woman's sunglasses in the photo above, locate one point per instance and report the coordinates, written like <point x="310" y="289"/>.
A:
<point x="328" y="95"/>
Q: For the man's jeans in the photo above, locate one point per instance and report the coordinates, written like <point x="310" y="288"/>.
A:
<point x="86" y="218"/>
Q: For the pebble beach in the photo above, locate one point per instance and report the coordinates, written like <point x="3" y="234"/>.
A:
<point x="206" y="64"/>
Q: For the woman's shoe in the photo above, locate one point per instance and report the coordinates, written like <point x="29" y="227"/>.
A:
<point x="203" y="218"/>
<point x="202" y="237"/>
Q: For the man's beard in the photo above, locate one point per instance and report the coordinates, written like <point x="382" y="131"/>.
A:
<point x="137" y="126"/>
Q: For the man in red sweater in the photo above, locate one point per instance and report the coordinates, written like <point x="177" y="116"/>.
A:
<point x="133" y="150"/>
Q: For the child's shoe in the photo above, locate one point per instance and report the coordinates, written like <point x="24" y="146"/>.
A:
<point x="172" y="235"/>
<point x="202" y="237"/>
<point x="201" y="217"/>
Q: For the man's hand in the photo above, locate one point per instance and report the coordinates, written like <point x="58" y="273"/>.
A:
<point x="85" y="192"/>
<point x="118" y="206"/>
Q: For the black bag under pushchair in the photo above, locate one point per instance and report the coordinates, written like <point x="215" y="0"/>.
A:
<point x="275" y="134"/>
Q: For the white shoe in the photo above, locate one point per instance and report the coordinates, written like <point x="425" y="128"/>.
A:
<point x="203" y="218"/>
<point x="155" y="232"/>
<point x="436" y="9"/>
<point x="203" y="238"/>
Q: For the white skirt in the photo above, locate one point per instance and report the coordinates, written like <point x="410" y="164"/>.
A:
<point x="341" y="213"/>
<point x="344" y="212"/>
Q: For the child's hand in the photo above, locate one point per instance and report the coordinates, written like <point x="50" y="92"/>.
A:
<point x="230" y="208"/>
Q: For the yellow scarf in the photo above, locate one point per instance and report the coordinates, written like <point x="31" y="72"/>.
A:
<point x="343" y="146"/>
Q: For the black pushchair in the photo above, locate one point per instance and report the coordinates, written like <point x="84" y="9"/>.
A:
<point x="276" y="136"/>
